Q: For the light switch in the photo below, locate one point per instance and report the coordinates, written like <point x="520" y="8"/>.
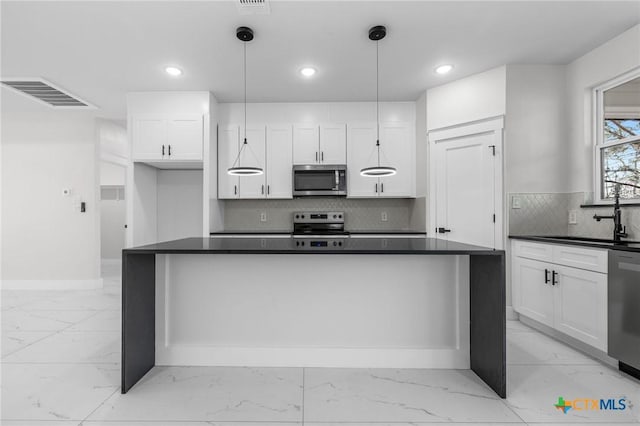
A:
<point x="384" y="217"/>
<point x="573" y="217"/>
<point x="263" y="216"/>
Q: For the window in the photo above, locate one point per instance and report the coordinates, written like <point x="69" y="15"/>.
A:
<point x="618" y="140"/>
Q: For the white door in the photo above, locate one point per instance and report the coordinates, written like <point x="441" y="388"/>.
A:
<point x="184" y="137"/>
<point x="306" y="143"/>
<point x="333" y="144"/>
<point x="466" y="183"/>
<point x="253" y="156"/>
<point x="149" y="136"/>
<point x="279" y="161"/>
<point x="581" y="305"/>
<point x="533" y="291"/>
<point x="360" y="154"/>
<point x="228" y="144"/>
<point x="397" y="150"/>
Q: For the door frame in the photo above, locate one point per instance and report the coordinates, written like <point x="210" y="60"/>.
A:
<point x="493" y="126"/>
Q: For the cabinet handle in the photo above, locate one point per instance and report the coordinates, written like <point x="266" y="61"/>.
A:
<point x="322" y="156"/>
<point x="546" y="275"/>
<point x="268" y="189"/>
<point x="382" y="187"/>
<point x="554" y="274"/>
<point x="262" y="189"/>
<point x="163" y="150"/>
<point x="316" y="156"/>
<point x="376" y="188"/>
<point x="235" y="189"/>
<point x="169" y="150"/>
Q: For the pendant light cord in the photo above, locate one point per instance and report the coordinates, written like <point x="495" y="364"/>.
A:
<point x="377" y="103"/>
<point x="245" y="92"/>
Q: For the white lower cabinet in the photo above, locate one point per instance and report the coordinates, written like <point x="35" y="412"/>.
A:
<point x="568" y="299"/>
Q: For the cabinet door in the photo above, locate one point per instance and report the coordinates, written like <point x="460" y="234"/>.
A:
<point x="397" y="149"/>
<point x="581" y="305"/>
<point x="184" y="137"/>
<point x="306" y="144"/>
<point x="149" y="135"/>
<point x="361" y="153"/>
<point x="333" y="143"/>
<point x="253" y="156"/>
<point x="228" y="144"/>
<point x="532" y="297"/>
<point x="279" y="161"/>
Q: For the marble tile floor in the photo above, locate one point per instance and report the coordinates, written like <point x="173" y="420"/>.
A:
<point x="60" y="367"/>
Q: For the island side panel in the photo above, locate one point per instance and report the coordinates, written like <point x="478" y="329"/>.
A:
<point x="138" y="317"/>
<point x="488" y="320"/>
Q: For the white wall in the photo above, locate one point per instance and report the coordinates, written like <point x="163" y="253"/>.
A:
<point x="536" y="145"/>
<point x="419" y="214"/>
<point x="473" y="98"/>
<point x="46" y="240"/>
<point x="316" y="112"/>
<point x="112" y="174"/>
<point x="614" y="58"/>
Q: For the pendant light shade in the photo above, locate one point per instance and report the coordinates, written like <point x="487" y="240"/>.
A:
<point x="376" y="34"/>
<point x="244" y="34"/>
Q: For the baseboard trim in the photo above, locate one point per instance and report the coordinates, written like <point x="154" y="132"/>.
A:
<point x="512" y="315"/>
<point x="51" y="284"/>
<point x="197" y="355"/>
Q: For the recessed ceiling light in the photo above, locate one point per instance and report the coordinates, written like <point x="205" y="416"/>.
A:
<point x="443" y="69"/>
<point x="173" y="71"/>
<point x="308" y="71"/>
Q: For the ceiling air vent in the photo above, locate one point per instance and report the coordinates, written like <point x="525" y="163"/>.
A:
<point x="253" y="7"/>
<point x="46" y="92"/>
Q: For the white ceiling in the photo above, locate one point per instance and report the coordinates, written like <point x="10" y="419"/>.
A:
<point x="101" y="50"/>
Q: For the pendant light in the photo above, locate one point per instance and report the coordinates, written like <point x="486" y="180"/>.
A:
<point x="245" y="35"/>
<point x="376" y="34"/>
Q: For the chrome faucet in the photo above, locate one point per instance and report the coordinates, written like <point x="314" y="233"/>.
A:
<point x="619" y="231"/>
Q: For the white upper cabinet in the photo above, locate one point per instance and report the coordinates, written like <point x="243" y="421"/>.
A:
<point x="306" y="144"/>
<point x="279" y="161"/>
<point x="319" y="144"/>
<point x="333" y="144"/>
<point x="228" y="145"/>
<point x="253" y="156"/>
<point x="361" y="154"/>
<point x="267" y="147"/>
<point x="149" y="137"/>
<point x="184" y="138"/>
<point x="397" y="149"/>
<point x="162" y="137"/>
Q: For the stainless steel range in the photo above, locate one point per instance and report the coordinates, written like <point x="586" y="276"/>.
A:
<point x="319" y="230"/>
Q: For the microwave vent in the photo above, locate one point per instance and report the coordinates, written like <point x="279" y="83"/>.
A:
<point x="253" y="7"/>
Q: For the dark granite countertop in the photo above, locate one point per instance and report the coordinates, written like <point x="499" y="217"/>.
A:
<point x="279" y="245"/>
<point x="359" y="232"/>
<point x="582" y="241"/>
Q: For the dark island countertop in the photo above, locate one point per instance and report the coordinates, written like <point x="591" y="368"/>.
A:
<point x="279" y="245"/>
<point x="582" y="241"/>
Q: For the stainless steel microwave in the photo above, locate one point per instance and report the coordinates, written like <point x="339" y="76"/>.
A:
<point x="320" y="180"/>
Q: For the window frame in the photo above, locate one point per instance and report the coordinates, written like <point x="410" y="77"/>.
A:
<point x="599" y="144"/>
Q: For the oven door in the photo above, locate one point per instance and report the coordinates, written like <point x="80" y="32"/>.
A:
<point x="319" y="180"/>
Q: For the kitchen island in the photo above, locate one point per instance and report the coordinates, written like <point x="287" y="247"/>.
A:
<point x="367" y="302"/>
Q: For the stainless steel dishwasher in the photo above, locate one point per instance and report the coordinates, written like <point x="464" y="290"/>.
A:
<point x="624" y="310"/>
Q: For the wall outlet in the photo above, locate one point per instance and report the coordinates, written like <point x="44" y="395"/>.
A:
<point x="573" y="217"/>
<point x="515" y="202"/>
<point x="384" y="217"/>
<point x="263" y="216"/>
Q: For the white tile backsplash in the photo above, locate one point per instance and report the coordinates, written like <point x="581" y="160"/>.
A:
<point x="360" y="214"/>
<point x="548" y="214"/>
